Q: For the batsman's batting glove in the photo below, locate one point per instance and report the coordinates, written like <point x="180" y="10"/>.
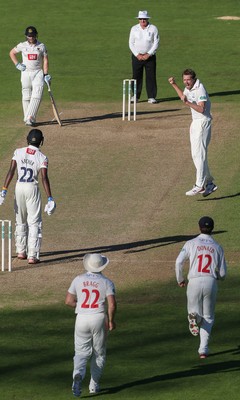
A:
<point x="20" y="67"/>
<point x="47" y="78"/>
<point x="3" y="195"/>
<point x="50" y="206"/>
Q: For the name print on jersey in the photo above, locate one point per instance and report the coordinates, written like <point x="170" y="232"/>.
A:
<point x="206" y="248"/>
<point x="90" y="283"/>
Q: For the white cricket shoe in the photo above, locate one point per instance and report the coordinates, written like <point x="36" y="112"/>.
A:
<point x="77" y="385"/>
<point x="152" y="101"/>
<point x="195" y="190"/>
<point x="210" y="188"/>
<point x="94" y="387"/>
<point x="193" y="326"/>
<point x="30" y="122"/>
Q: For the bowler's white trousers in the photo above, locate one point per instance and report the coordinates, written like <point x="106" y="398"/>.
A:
<point x="90" y="341"/>
<point x="201" y="299"/>
<point x="200" y="136"/>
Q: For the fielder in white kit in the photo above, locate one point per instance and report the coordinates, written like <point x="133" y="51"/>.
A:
<point x="196" y="97"/>
<point x="34" y="71"/>
<point x="93" y="296"/>
<point x="207" y="265"/>
<point x="29" y="161"/>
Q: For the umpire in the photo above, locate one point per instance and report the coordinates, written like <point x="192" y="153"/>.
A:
<point x="143" y="43"/>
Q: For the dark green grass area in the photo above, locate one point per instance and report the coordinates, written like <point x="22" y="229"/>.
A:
<point x="151" y="353"/>
<point x="88" y="45"/>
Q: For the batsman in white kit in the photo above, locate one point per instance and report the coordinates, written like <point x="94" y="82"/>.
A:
<point x="207" y="265"/>
<point x="93" y="296"/>
<point x="34" y="72"/>
<point x="29" y="161"/>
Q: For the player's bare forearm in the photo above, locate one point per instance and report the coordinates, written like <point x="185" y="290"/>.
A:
<point x="172" y="82"/>
<point x="112" y="308"/>
<point x="10" y="174"/>
<point x="45" y="65"/>
<point x="13" y="56"/>
<point x="45" y="182"/>
<point x="70" y="300"/>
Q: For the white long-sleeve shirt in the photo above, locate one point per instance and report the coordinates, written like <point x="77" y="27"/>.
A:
<point x="206" y="258"/>
<point x="142" y="41"/>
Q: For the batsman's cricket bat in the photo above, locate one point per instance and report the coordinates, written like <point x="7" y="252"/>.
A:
<point x="54" y="107"/>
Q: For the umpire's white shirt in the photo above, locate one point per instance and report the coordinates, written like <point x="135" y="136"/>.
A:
<point x="143" y="41"/>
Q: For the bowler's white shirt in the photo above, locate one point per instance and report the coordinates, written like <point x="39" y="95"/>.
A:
<point x="195" y="95"/>
<point x="143" y="41"/>
<point x="32" y="54"/>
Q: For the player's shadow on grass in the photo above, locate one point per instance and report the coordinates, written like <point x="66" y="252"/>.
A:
<point x="66" y="256"/>
<point x="117" y="115"/>
<point x="200" y="370"/>
<point x="230" y="196"/>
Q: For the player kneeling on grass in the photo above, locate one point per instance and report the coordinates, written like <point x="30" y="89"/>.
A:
<point x="89" y="293"/>
<point x="28" y="161"/>
<point x="206" y="265"/>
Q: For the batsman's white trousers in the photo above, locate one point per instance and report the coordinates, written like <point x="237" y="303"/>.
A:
<point x="201" y="299"/>
<point x="200" y="136"/>
<point x="90" y="342"/>
<point x="32" y="91"/>
<point x="28" y="212"/>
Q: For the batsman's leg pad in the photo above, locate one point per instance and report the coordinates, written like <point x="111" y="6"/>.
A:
<point x="33" y="108"/>
<point x="34" y="239"/>
<point x="21" y="233"/>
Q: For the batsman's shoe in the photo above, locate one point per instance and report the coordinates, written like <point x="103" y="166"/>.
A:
<point x="30" y="122"/>
<point x="210" y="188"/>
<point x="152" y="101"/>
<point x="195" y="190"/>
<point x="193" y="326"/>
<point x="93" y="387"/>
<point x="22" y="256"/>
<point x="77" y="385"/>
<point x="33" y="260"/>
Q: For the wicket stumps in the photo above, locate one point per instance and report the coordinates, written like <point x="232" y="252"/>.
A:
<point x="9" y="223"/>
<point x="129" y="83"/>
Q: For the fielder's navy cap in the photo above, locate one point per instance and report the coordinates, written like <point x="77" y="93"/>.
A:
<point x="206" y="222"/>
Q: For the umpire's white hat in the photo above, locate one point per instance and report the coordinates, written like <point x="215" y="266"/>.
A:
<point x="143" y="15"/>
<point x="95" y="262"/>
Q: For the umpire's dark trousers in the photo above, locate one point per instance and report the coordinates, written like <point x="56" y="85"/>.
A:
<point x="150" y="71"/>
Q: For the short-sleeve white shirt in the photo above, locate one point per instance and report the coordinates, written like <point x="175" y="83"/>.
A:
<point x="195" y="95"/>
<point x="91" y="291"/>
<point x="32" y="54"/>
<point x="205" y="257"/>
<point x="29" y="162"/>
<point x="143" y="41"/>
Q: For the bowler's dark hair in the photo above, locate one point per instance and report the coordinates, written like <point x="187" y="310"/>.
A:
<point x="190" y="72"/>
